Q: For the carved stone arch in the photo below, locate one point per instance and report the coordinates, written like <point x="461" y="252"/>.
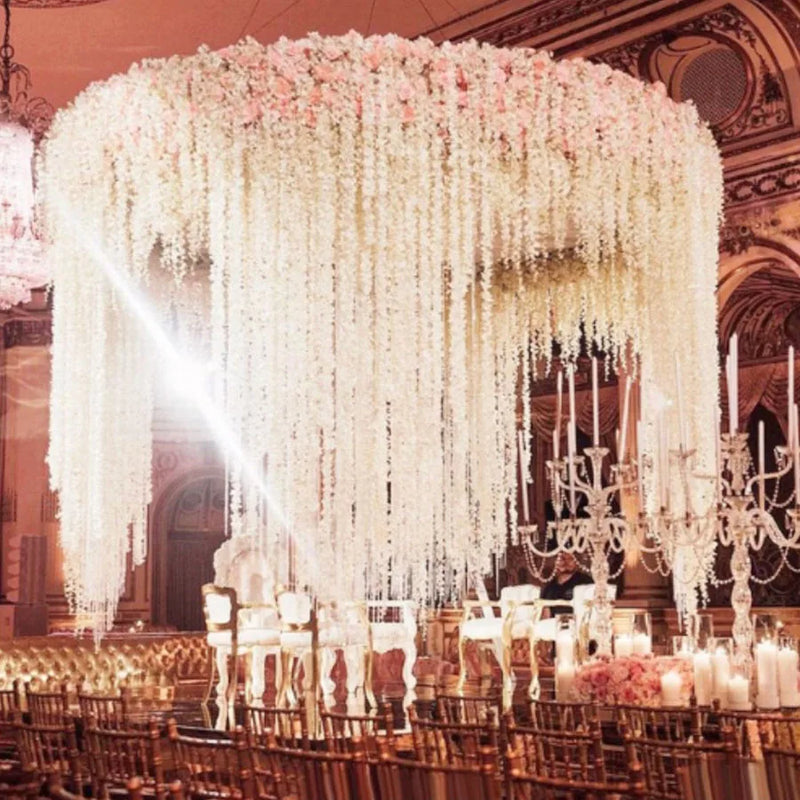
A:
<point x="161" y="516"/>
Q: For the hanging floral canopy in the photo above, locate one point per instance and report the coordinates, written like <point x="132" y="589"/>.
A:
<point x="379" y="237"/>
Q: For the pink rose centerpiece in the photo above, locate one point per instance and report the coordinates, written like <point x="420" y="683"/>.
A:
<point x="632" y="680"/>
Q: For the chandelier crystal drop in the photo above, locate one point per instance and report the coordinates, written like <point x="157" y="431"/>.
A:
<point x="392" y="233"/>
<point x="22" y="261"/>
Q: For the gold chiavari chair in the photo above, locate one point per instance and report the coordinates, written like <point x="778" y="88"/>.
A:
<point x="552" y="715"/>
<point x="46" y="750"/>
<point x="117" y="756"/>
<point x="47" y="707"/>
<point x="678" y="761"/>
<point x="779" y="740"/>
<point x="288" y="725"/>
<point x="565" y="765"/>
<point x="340" y="731"/>
<point x="10" y="715"/>
<point x="106" y="711"/>
<point x="282" y="772"/>
<point x="568" y="754"/>
<point x="211" y="769"/>
<point x="467" y="708"/>
<point x="452" y="743"/>
<point x="402" y="779"/>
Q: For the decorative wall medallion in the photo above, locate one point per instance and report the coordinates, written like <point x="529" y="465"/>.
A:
<point x="720" y="62"/>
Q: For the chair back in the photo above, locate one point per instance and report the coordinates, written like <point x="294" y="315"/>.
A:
<point x="220" y="607"/>
<point x="295" y="608"/>
<point x="452" y="742"/>
<point x="10" y="704"/>
<point x="288" y="725"/>
<point x="557" y="754"/>
<point x="211" y="769"/>
<point x="473" y="709"/>
<point x="47" y="707"/>
<point x="308" y="774"/>
<point x="117" y="756"/>
<point x="671" y="748"/>
<point x="780" y="745"/>
<point x="523" y="593"/>
<point x="47" y="750"/>
<point x="341" y="731"/>
<point x="403" y="779"/>
<point x="106" y="711"/>
<point x="551" y="715"/>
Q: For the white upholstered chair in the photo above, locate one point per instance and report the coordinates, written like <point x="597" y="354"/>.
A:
<point x="399" y="634"/>
<point x="581" y="605"/>
<point x="241" y="563"/>
<point x="312" y="635"/>
<point x="513" y="617"/>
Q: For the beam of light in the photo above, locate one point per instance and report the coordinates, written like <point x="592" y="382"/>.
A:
<point x="178" y="364"/>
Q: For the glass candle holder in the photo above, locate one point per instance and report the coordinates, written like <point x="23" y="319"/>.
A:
<point x="787" y="672"/>
<point x="682" y="646"/>
<point x="701" y="630"/>
<point x="721" y="650"/>
<point x="566" y="639"/>
<point x="642" y="634"/>
<point x="765" y="626"/>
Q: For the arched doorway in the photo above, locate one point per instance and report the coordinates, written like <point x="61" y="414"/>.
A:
<point x="196" y="528"/>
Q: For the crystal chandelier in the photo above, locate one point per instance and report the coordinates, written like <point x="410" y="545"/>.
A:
<point x="22" y="119"/>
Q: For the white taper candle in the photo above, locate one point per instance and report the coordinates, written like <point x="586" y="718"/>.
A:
<point x="595" y="406"/>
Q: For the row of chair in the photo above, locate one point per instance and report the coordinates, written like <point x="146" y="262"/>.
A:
<point x="297" y="630"/>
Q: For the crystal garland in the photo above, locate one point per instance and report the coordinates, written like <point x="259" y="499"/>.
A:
<point x="22" y="262"/>
<point x="395" y="231"/>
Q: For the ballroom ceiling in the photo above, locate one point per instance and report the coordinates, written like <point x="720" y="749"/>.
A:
<point x="67" y="44"/>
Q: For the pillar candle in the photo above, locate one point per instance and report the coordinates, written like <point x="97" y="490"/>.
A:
<point x="623" y="645"/>
<point x="671" y="689"/>
<point x="595" y="406"/>
<point x="523" y="481"/>
<point x="642" y="644"/>
<point x="703" y="678"/>
<point x="623" y="438"/>
<point x="559" y="403"/>
<point x="565" y="677"/>
<point x="733" y="397"/>
<point x="738" y="692"/>
<point x="767" y="673"/>
<point x="790" y="383"/>
<point x="640" y="461"/>
<point x="721" y="674"/>
<point x="787" y="676"/>
<point x="761" y="465"/>
<point x="565" y="647"/>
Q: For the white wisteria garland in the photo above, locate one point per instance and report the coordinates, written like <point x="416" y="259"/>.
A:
<point x="389" y="230"/>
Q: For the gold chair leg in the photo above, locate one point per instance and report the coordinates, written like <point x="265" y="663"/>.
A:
<point x="508" y="677"/>
<point x="286" y="677"/>
<point x="534" y="688"/>
<point x="369" y="695"/>
<point x="212" y="663"/>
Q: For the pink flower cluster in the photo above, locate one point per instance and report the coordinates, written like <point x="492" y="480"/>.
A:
<point x="387" y="79"/>
<point x="634" y="680"/>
